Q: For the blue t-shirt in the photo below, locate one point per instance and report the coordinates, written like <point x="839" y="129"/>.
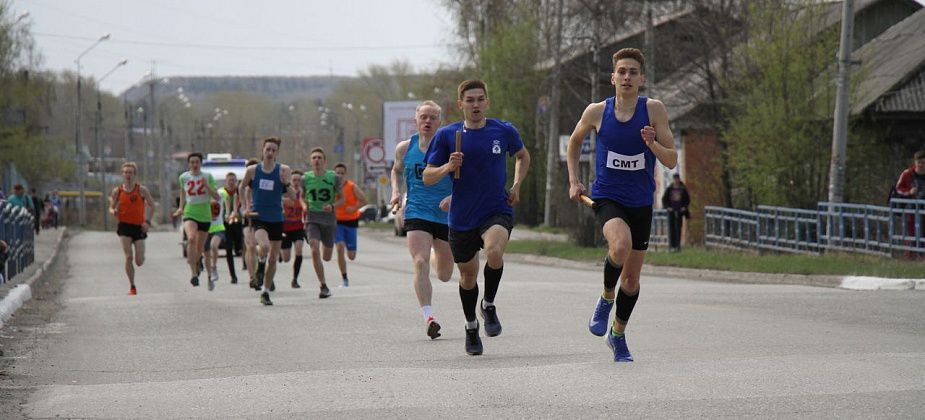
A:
<point x="480" y="190"/>
<point x="267" y="194"/>
<point x="625" y="166"/>
<point x="423" y="200"/>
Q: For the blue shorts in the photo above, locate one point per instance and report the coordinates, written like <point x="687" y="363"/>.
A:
<point x="347" y="235"/>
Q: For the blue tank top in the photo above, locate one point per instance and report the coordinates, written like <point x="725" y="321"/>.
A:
<point x="625" y="166"/>
<point x="267" y="194"/>
<point x="423" y="200"/>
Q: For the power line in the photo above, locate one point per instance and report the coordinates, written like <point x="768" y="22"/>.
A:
<point x="245" y="47"/>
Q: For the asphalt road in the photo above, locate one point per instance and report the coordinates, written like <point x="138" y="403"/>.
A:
<point x="84" y="349"/>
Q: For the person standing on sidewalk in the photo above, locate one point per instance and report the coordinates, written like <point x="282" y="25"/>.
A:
<point x="264" y="186"/>
<point x="425" y="220"/>
<point x="632" y="132"/>
<point x="675" y="201"/>
<point x="348" y="221"/>
<point x="482" y="213"/>
<point x="131" y="204"/>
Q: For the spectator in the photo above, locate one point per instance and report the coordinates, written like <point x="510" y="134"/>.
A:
<point x="19" y="198"/>
<point x="56" y="206"/>
<point x="4" y="252"/>
<point x="37" y="209"/>
<point x="911" y="185"/>
<point x="675" y="201"/>
<point x="2" y="195"/>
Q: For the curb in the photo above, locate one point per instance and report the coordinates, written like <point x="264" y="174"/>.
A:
<point x="878" y="283"/>
<point x="20" y="294"/>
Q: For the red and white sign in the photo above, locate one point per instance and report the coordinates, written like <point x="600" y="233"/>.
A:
<point x="373" y="151"/>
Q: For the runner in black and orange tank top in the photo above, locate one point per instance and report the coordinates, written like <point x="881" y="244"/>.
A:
<point x="128" y="205"/>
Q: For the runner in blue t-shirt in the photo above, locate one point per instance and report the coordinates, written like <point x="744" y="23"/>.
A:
<point x="632" y="132"/>
<point x="425" y="214"/>
<point x="262" y="189"/>
<point x="481" y="213"/>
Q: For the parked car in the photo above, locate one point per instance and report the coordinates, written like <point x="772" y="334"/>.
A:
<point x="369" y="213"/>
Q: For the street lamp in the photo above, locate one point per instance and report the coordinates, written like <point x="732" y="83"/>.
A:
<point x="99" y="146"/>
<point x="81" y="202"/>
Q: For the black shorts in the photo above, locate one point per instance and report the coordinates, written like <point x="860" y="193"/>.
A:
<point x="639" y="219"/>
<point x="200" y="226"/>
<point x="437" y="230"/>
<point x="274" y="229"/>
<point x="132" y="231"/>
<point x="292" y="236"/>
<point x="466" y="244"/>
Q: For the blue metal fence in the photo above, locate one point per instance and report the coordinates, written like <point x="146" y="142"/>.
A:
<point x="886" y="231"/>
<point x="16" y="224"/>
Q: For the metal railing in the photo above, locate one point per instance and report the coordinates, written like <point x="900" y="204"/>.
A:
<point x="877" y="230"/>
<point x="659" y="233"/>
<point x="16" y="229"/>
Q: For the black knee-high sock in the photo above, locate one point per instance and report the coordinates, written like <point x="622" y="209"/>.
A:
<point x="625" y="305"/>
<point x="296" y="266"/>
<point x="492" y="280"/>
<point x="469" y="299"/>
<point x="229" y="258"/>
<point x="611" y="274"/>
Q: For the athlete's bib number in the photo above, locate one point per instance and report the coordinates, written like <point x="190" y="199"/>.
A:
<point x="626" y="163"/>
<point x="266" y="184"/>
<point x="320" y="195"/>
<point x="419" y="170"/>
<point x="196" y="187"/>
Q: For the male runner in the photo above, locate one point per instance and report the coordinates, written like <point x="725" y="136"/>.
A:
<point x="322" y="191"/>
<point x="348" y="220"/>
<point x="481" y="215"/>
<point x="250" y="243"/>
<point x="267" y="182"/>
<point x="425" y="221"/>
<point x="632" y="131"/>
<point x="216" y="237"/>
<point x="294" y="227"/>
<point x="127" y="204"/>
<point x="197" y="189"/>
<point x="234" y="230"/>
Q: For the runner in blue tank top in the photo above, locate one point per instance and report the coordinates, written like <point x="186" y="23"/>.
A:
<point x="632" y="132"/>
<point x="481" y="213"/>
<point x="262" y="189"/>
<point x="425" y="217"/>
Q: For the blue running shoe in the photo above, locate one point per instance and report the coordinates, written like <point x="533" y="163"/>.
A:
<point x="598" y="322"/>
<point x="618" y="344"/>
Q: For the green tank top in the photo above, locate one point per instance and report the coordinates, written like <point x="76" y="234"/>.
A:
<point x="197" y="196"/>
<point x="319" y="190"/>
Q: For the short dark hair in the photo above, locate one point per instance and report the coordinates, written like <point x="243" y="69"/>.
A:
<point x="471" y="84"/>
<point x="919" y="155"/>
<point x="194" y="154"/>
<point x="251" y="161"/>
<point x="340" y="165"/>
<point x="319" y="150"/>
<point x="633" y="53"/>
<point x="17" y="187"/>
<point x="275" y="140"/>
<point x="231" y="174"/>
<point x="298" y="172"/>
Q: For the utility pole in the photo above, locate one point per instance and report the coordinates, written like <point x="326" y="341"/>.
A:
<point x="552" y="148"/>
<point x="840" y="129"/>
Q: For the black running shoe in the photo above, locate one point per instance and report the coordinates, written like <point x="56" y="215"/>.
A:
<point x="325" y="292"/>
<point x="234" y="280"/>
<point x="194" y="281"/>
<point x="433" y="328"/>
<point x="265" y="299"/>
<point x="295" y="284"/>
<point x="260" y="272"/>
<point x="473" y="342"/>
<point x="492" y="324"/>
<point x="254" y="285"/>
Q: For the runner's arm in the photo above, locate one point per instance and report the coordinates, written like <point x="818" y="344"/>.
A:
<point x="398" y="169"/>
<point x="521" y="166"/>
<point x="114" y="201"/>
<point x="590" y="120"/>
<point x="662" y="145"/>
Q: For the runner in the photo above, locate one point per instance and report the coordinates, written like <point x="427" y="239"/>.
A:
<point x="127" y="204"/>
<point x="481" y="215"/>
<point x="196" y="191"/>
<point x="294" y="228"/>
<point x="216" y="237"/>
<point x="425" y="221"/>
<point x="348" y="220"/>
<point x="267" y="182"/>
<point x="632" y="131"/>
<point x="234" y="231"/>
<point x="322" y="191"/>
<point x="250" y="243"/>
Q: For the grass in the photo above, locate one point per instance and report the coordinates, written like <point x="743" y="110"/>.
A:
<point x="541" y="229"/>
<point x="696" y="257"/>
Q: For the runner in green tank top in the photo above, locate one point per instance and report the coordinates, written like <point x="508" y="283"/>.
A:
<point x="322" y="192"/>
<point x="196" y="192"/>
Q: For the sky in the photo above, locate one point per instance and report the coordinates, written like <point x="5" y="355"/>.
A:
<point x="236" y="37"/>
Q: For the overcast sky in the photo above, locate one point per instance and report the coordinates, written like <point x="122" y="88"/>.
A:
<point x="237" y="37"/>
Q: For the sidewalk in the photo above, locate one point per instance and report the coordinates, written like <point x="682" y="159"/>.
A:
<point x="18" y="290"/>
